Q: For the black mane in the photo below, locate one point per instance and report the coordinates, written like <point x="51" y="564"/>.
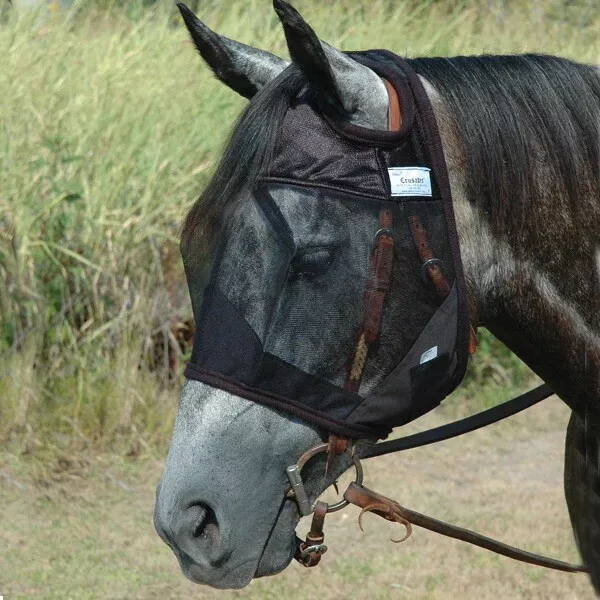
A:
<point x="529" y="125"/>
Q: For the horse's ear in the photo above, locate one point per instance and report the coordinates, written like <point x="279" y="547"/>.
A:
<point x="243" y="68"/>
<point x="353" y="88"/>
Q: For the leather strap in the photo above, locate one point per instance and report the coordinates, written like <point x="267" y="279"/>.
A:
<point x="378" y="284"/>
<point x="466" y="425"/>
<point x="337" y="446"/>
<point x="380" y="272"/>
<point x="431" y="265"/>
<point x="432" y="268"/>
<point x="390" y="510"/>
<point x="370" y="501"/>
<point x="394" y="113"/>
<point x="309" y="552"/>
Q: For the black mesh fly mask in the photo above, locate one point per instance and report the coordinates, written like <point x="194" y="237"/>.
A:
<point x="336" y="292"/>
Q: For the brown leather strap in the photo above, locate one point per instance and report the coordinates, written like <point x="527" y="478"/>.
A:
<point x="380" y="275"/>
<point x="380" y="272"/>
<point x="314" y="539"/>
<point x="394" y="114"/>
<point x="337" y="445"/>
<point x="370" y="501"/>
<point x="378" y="284"/>
<point x="316" y="535"/>
<point x="422" y="243"/>
<point x="433" y="270"/>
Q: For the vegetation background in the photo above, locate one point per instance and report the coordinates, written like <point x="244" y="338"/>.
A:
<point x="109" y="128"/>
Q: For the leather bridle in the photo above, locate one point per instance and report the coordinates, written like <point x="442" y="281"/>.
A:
<point x="310" y="550"/>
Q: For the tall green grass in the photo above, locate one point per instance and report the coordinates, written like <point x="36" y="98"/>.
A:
<point x="109" y="128"/>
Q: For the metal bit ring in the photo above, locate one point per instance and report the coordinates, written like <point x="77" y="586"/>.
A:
<point x="297" y="491"/>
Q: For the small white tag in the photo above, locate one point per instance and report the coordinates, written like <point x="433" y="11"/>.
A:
<point x="410" y="181"/>
<point x="428" y="355"/>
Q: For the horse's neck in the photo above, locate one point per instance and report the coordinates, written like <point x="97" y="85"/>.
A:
<point x="544" y="308"/>
<point x="533" y="316"/>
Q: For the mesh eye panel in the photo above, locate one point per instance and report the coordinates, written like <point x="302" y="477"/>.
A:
<point x="302" y="306"/>
<point x="319" y="309"/>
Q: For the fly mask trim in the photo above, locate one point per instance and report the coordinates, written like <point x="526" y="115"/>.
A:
<point x="414" y="342"/>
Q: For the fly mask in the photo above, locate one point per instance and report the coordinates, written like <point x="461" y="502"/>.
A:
<point x="353" y="229"/>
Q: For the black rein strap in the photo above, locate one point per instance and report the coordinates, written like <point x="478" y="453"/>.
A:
<point x="466" y="425"/>
<point x="373" y="502"/>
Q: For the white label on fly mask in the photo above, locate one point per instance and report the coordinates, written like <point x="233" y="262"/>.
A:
<point x="410" y="181"/>
<point x="428" y="355"/>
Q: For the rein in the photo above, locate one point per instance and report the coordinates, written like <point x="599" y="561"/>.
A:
<point x="310" y="551"/>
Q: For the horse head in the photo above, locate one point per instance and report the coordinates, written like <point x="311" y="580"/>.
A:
<point x="291" y="266"/>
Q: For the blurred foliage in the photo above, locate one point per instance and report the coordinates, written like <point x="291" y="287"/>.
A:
<point x="109" y="127"/>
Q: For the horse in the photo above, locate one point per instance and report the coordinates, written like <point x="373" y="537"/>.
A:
<point x="520" y="135"/>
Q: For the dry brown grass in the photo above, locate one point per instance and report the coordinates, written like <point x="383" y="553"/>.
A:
<point x="81" y="527"/>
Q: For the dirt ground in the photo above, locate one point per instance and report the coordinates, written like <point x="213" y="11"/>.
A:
<point x="81" y="526"/>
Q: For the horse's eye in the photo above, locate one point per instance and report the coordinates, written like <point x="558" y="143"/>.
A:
<point x="310" y="262"/>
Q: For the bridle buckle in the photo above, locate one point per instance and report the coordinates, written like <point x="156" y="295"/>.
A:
<point x="319" y="549"/>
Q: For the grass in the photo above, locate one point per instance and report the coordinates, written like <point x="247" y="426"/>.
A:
<point x="109" y="128"/>
<point x="80" y="526"/>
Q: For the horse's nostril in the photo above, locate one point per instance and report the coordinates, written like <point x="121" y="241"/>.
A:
<point x="201" y="517"/>
<point x="204" y="522"/>
<point x="193" y="533"/>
